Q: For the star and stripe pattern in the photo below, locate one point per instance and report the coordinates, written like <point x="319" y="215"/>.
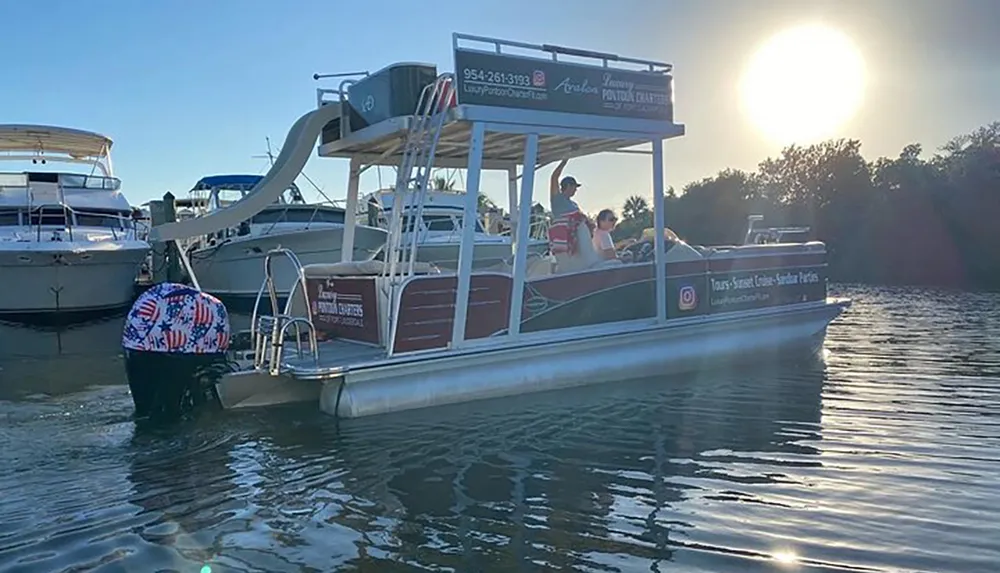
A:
<point x="175" y="318"/>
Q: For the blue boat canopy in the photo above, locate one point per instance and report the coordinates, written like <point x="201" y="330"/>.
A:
<point x="241" y="182"/>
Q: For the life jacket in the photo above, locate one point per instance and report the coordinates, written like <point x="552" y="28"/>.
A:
<point x="562" y="233"/>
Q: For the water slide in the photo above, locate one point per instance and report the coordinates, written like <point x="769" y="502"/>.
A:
<point x="287" y="166"/>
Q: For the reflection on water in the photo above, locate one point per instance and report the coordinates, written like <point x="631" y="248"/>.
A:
<point x="880" y="458"/>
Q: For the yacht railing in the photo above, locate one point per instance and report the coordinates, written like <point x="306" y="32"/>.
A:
<point x="538" y="228"/>
<point x="35" y="219"/>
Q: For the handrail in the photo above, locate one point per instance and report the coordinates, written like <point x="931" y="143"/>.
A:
<point x="279" y="321"/>
<point x="555" y="51"/>
<point x="70" y="221"/>
<point x="444" y="90"/>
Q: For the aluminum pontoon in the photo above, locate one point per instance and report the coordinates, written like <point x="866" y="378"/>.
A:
<point x="372" y="338"/>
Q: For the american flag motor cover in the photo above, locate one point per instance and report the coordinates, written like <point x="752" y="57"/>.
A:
<point x="177" y="319"/>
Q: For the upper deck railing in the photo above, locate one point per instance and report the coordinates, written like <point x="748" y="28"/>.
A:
<point x="554" y="52"/>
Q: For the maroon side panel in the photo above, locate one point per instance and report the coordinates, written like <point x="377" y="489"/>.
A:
<point x="345" y="307"/>
<point x="726" y="265"/>
<point x="576" y="285"/>
<point x="427" y="303"/>
<point x="427" y="310"/>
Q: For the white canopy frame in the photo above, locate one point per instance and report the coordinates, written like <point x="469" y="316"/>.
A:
<point x="477" y="137"/>
<point x="23" y="142"/>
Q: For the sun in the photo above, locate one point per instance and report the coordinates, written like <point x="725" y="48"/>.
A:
<point x="803" y="84"/>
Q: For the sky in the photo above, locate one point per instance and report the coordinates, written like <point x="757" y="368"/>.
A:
<point x="189" y="88"/>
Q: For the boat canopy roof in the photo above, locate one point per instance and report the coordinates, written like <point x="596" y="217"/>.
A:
<point x="76" y="143"/>
<point x="241" y="182"/>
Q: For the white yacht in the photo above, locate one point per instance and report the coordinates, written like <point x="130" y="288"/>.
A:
<point x="439" y="230"/>
<point x="68" y="242"/>
<point x="229" y="263"/>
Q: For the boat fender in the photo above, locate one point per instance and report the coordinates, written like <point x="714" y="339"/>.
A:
<point x="175" y="341"/>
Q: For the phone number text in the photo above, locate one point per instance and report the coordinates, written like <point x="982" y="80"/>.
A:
<point x="496" y="78"/>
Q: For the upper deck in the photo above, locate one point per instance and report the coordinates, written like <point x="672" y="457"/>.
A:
<point x="579" y="102"/>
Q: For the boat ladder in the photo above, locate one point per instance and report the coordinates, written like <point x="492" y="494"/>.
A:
<point x="413" y="176"/>
<point x="268" y="331"/>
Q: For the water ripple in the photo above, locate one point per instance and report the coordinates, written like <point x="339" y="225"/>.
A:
<point x="880" y="458"/>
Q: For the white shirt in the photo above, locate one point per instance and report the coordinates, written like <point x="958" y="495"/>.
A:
<point x="602" y="241"/>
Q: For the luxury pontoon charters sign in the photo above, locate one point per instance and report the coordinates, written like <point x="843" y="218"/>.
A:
<point x="344" y="308"/>
<point x="504" y="80"/>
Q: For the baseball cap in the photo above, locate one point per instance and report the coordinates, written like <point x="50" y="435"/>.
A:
<point x="569" y="181"/>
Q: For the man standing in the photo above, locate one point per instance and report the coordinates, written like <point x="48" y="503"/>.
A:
<point x="561" y="192"/>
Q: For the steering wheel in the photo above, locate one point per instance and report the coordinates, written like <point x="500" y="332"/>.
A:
<point x="643" y="251"/>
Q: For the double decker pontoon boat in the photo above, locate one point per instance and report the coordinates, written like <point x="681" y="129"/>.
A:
<point x="68" y="242"/>
<point x="229" y="263"/>
<point x="380" y="337"/>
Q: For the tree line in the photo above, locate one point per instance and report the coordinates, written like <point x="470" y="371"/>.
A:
<point x="910" y="219"/>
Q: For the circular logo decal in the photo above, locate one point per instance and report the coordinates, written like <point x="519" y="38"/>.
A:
<point x="368" y="104"/>
<point x="687" y="298"/>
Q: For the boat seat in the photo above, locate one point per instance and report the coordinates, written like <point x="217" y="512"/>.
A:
<point x="360" y="268"/>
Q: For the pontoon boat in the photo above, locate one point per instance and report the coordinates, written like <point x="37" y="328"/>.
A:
<point x="385" y="337"/>
<point x="68" y="243"/>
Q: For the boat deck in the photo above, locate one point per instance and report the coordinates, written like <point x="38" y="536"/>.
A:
<point x="335" y="356"/>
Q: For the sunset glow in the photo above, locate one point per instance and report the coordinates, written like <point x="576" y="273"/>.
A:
<point x="803" y="84"/>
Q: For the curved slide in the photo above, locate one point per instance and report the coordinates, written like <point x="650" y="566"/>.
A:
<point x="287" y="166"/>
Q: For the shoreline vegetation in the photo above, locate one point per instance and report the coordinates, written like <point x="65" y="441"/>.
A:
<point x="907" y="220"/>
<point x="913" y="219"/>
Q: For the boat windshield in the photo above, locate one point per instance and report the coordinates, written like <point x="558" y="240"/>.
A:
<point x="298" y="215"/>
<point x="9" y="218"/>
<point x="66" y="180"/>
<point x="224" y="196"/>
<point x="74" y="181"/>
<point x="13" y="180"/>
<point x="439" y="223"/>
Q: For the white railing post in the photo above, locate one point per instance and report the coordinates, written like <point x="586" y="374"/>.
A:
<point x="660" y="255"/>
<point x="521" y="249"/>
<point x="512" y="209"/>
<point x="350" y="211"/>
<point x="465" y="251"/>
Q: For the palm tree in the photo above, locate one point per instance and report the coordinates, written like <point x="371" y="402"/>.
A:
<point x="485" y="203"/>
<point x="635" y="206"/>
<point x="441" y="184"/>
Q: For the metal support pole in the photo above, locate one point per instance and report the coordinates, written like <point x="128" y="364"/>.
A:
<point x="658" y="229"/>
<point x="351" y="211"/>
<point x="468" y="233"/>
<point x="512" y="210"/>
<point x="521" y="244"/>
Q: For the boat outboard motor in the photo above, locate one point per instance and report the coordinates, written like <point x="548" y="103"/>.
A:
<point x="175" y="341"/>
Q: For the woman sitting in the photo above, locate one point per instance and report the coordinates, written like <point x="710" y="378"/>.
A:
<point x="603" y="243"/>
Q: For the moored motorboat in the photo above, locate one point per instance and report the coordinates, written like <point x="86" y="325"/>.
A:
<point x="229" y="262"/>
<point x="68" y="242"/>
<point x="375" y="337"/>
<point x="438" y="230"/>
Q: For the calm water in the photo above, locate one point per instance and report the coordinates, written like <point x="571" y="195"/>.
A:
<point x="884" y="457"/>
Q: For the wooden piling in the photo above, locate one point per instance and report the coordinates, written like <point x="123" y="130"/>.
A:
<point x="165" y="265"/>
<point x="158" y="264"/>
<point x="174" y="273"/>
